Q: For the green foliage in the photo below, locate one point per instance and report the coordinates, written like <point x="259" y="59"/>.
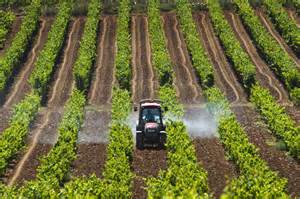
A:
<point x="184" y="175"/>
<point x="13" y="56"/>
<point x="6" y="20"/>
<point x="123" y="71"/>
<point x="160" y="57"/>
<point x="121" y="105"/>
<point x="279" y="61"/>
<point x="256" y="179"/>
<point x="241" y="61"/>
<point x="199" y="57"/>
<point x="278" y="121"/>
<point x="12" y="139"/>
<point x="55" y="165"/>
<point x="87" y="50"/>
<point x="170" y="105"/>
<point x="285" y="26"/>
<point x="46" y="61"/>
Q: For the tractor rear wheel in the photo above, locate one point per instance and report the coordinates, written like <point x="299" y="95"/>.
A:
<point x="139" y="141"/>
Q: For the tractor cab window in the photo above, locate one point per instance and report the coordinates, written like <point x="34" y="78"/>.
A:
<point x="151" y="115"/>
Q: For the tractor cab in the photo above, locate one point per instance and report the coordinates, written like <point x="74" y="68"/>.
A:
<point x="150" y="129"/>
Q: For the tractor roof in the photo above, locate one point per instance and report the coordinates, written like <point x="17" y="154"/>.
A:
<point x="150" y="104"/>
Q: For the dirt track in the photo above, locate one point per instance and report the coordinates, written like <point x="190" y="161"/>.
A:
<point x="43" y="133"/>
<point x="259" y="135"/>
<point x="145" y="163"/>
<point x="271" y="29"/>
<point x="186" y="83"/>
<point x="93" y="136"/>
<point x="21" y="85"/>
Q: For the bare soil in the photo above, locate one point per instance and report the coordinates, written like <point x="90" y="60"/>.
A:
<point x="211" y="154"/>
<point x="271" y="29"/>
<point x="43" y="133"/>
<point x="21" y="85"/>
<point x="186" y="83"/>
<point x="146" y="162"/>
<point x="93" y="136"/>
<point x="5" y="114"/>
<point x="15" y="27"/>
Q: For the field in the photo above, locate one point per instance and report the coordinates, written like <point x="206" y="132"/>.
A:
<point x="231" y="84"/>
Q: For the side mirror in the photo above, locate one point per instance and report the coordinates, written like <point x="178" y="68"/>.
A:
<point x="135" y="108"/>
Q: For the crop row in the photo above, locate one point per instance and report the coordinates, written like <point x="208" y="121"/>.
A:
<point x="296" y="4"/>
<point x="256" y="179"/>
<point x="6" y="20"/>
<point x="242" y="63"/>
<point x="276" y="57"/>
<point x="123" y="71"/>
<point x="12" y="58"/>
<point x="45" y="63"/>
<point x="184" y="176"/>
<point x="278" y="121"/>
<point x="160" y="57"/>
<point x="199" y="57"/>
<point x="285" y="26"/>
<point x="87" y="51"/>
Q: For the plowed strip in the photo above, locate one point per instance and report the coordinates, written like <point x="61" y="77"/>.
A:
<point x="224" y="76"/>
<point x="11" y="34"/>
<point x="259" y="136"/>
<point x="42" y="137"/>
<point x="271" y="29"/>
<point x="91" y="153"/>
<point x="186" y="83"/>
<point x="21" y="86"/>
<point x="145" y="162"/>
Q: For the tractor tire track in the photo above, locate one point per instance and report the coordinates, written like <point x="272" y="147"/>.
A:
<point x="185" y="81"/>
<point x="143" y="74"/>
<point x="225" y="77"/>
<point x="263" y="72"/>
<point x="22" y="86"/>
<point x="271" y="29"/>
<point x="145" y="162"/>
<point x="14" y="29"/>
<point x="93" y="136"/>
<point x="43" y="134"/>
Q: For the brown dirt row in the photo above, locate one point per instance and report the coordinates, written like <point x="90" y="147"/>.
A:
<point x="143" y="75"/>
<point x="93" y="136"/>
<point x="21" y="85"/>
<point x="11" y="34"/>
<point x="186" y="84"/>
<point x="271" y="29"/>
<point x="43" y="133"/>
<point x="263" y="73"/>
<point x="293" y="16"/>
<point x="227" y="81"/>
<point x="146" y="162"/>
<point x="260" y="136"/>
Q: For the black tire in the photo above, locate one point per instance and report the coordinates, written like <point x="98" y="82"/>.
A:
<point x="139" y="141"/>
<point x="162" y="142"/>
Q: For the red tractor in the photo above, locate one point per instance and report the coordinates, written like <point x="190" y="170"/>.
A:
<point x="150" y="129"/>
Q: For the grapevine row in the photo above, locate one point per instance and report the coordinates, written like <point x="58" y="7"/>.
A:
<point x="281" y="63"/>
<point x="87" y="51"/>
<point x="184" y="175"/>
<point x="45" y="63"/>
<point x="256" y="179"/>
<point x="6" y="20"/>
<point x="199" y="57"/>
<point x="257" y="93"/>
<point x="123" y="71"/>
<point x="285" y="26"/>
<point x="160" y="57"/>
<point x="12" y="58"/>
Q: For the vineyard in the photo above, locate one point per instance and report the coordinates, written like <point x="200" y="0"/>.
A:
<point x="227" y="75"/>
